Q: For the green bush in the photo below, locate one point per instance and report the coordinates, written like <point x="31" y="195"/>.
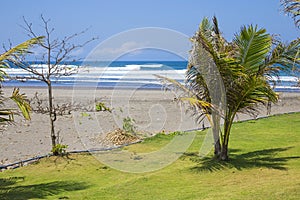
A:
<point x="100" y="106"/>
<point x="59" y="149"/>
<point x="128" y="125"/>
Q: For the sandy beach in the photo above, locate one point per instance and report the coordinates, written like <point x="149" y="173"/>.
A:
<point x="81" y="127"/>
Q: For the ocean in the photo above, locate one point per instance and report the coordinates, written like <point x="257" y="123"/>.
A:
<point x="126" y="74"/>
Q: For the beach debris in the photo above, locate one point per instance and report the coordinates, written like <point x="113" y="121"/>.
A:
<point x="121" y="137"/>
<point x="39" y="105"/>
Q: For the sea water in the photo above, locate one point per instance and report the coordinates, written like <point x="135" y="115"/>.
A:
<point x="125" y="74"/>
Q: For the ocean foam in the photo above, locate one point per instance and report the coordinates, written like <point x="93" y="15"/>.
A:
<point x="131" y="74"/>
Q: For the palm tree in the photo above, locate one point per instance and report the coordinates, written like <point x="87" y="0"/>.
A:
<point x="226" y="78"/>
<point x="6" y="114"/>
<point x="292" y="7"/>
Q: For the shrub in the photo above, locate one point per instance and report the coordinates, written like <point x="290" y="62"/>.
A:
<point x="128" y="125"/>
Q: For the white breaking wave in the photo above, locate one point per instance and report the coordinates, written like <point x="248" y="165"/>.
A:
<point x="138" y="67"/>
<point x="111" y="72"/>
<point x="131" y="74"/>
<point x="126" y="68"/>
<point x="40" y="68"/>
<point x="286" y="78"/>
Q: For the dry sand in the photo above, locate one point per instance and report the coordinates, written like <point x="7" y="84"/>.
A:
<point x="153" y="111"/>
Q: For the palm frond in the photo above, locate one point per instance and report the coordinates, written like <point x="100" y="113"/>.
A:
<point x="21" y="49"/>
<point x="205" y="38"/>
<point x="197" y="103"/>
<point x="292" y="7"/>
<point x="22" y="102"/>
<point x="168" y="82"/>
<point x="6" y="115"/>
<point x="198" y="107"/>
<point x="248" y="93"/>
<point x="283" y="57"/>
<point x="286" y="56"/>
<point x="253" y="46"/>
<point x="196" y="82"/>
<point x="15" y="52"/>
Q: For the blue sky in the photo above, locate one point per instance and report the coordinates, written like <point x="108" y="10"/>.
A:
<point x="110" y="17"/>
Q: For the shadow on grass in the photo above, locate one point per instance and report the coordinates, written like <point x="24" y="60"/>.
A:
<point x="266" y="158"/>
<point x="10" y="188"/>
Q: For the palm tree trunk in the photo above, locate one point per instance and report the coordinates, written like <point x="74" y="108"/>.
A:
<point x="224" y="149"/>
<point x="224" y="153"/>
<point x="216" y="135"/>
<point x="217" y="150"/>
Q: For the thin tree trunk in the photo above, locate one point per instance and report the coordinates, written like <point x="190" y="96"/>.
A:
<point x="52" y="115"/>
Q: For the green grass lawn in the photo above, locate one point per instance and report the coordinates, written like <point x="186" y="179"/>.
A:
<point x="265" y="164"/>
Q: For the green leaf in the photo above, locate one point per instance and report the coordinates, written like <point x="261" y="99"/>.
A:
<point x="253" y="46"/>
<point x="22" y="102"/>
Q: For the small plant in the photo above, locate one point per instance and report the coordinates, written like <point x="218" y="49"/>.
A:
<point x="128" y="125"/>
<point x="59" y="149"/>
<point x="100" y="106"/>
<point x="175" y="133"/>
<point x="84" y="114"/>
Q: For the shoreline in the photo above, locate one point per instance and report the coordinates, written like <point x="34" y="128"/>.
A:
<point x="153" y="110"/>
<point x="278" y="90"/>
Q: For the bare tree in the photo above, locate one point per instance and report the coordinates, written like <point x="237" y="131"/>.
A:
<point x="53" y="62"/>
